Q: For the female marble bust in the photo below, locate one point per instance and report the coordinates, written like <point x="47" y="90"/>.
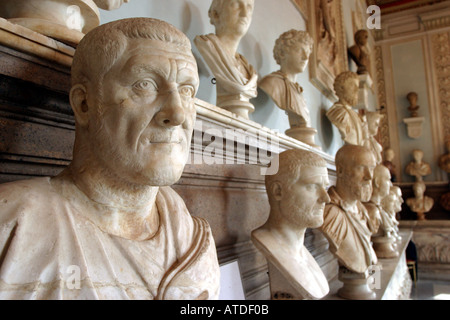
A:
<point x="236" y="78"/>
<point x="297" y="196"/>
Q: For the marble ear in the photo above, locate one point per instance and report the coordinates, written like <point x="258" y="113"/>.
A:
<point x="276" y="190"/>
<point x="78" y="101"/>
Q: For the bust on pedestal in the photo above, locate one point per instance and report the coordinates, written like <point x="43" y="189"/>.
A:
<point x="348" y="225"/>
<point x="292" y="50"/>
<point x="236" y="79"/>
<point x="383" y="240"/>
<point x="297" y="196"/>
<point x="351" y="125"/>
<point x="413" y="123"/>
<point x="420" y="204"/>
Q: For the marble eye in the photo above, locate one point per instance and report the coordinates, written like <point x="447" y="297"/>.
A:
<point x="187" y="91"/>
<point x="145" y="85"/>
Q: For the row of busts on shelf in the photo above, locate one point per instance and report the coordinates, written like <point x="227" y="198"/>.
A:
<point x="236" y="79"/>
<point x="357" y="216"/>
<point x="110" y="227"/>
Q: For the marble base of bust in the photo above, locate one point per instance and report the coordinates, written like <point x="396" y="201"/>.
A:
<point x="240" y="107"/>
<point x="356" y="285"/>
<point x="283" y="289"/>
<point x="414" y="127"/>
<point x="384" y="247"/>
<point x="304" y="134"/>
<point x="64" y="20"/>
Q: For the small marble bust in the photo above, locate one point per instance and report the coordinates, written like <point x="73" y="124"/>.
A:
<point x="351" y="125"/>
<point x="110" y="226"/>
<point x="360" y="52"/>
<point x="392" y="204"/>
<point x="347" y="224"/>
<point x="297" y="196"/>
<point x="384" y="239"/>
<point x="373" y="123"/>
<point x="236" y="79"/>
<point x="420" y="204"/>
<point x="292" y="50"/>
<point x="382" y="184"/>
<point x="413" y="108"/>
<point x="418" y="168"/>
<point x="389" y="155"/>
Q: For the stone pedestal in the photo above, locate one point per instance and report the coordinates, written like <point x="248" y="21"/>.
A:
<point x="64" y="20"/>
<point x="238" y="107"/>
<point x="385" y="247"/>
<point x="414" y="126"/>
<point x="305" y="135"/>
<point x="365" y="87"/>
<point x="356" y="285"/>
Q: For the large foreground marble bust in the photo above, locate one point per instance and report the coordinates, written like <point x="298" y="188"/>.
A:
<point x="297" y="196"/>
<point x="236" y="78"/>
<point x="292" y="50"/>
<point x="109" y="226"/>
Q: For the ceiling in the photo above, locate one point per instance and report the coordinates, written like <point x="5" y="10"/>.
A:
<point x="390" y="6"/>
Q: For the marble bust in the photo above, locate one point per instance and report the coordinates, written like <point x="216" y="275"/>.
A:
<point x="291" y="51"/>
<point x="360" y="53"/>
<point x="420" y="204"/>
<point x="413" y="108"/>
<point x="351" y="125"/>
<point x="348" y="225"/>
<point x="383" y="240"/>
<point x="418" y="168"/>
<point x="389" y="155"/>
<point x="392" y="204"/>
<point x="111" y="216"/>
<point x="236" y="79"/>
<point x="297" y="196"/>
<point x="373" y="123"/>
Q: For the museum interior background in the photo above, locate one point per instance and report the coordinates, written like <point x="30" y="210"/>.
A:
<point x="410" y="53"/>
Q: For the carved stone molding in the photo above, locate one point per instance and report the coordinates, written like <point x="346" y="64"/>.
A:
<point x="383" y="130"/>
<point x="441" y="58"/>
<point x="329" y="56"/>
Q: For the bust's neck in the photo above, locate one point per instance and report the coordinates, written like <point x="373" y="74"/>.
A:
<point x="115" y="206"/>
<point x="291" y="236"/>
